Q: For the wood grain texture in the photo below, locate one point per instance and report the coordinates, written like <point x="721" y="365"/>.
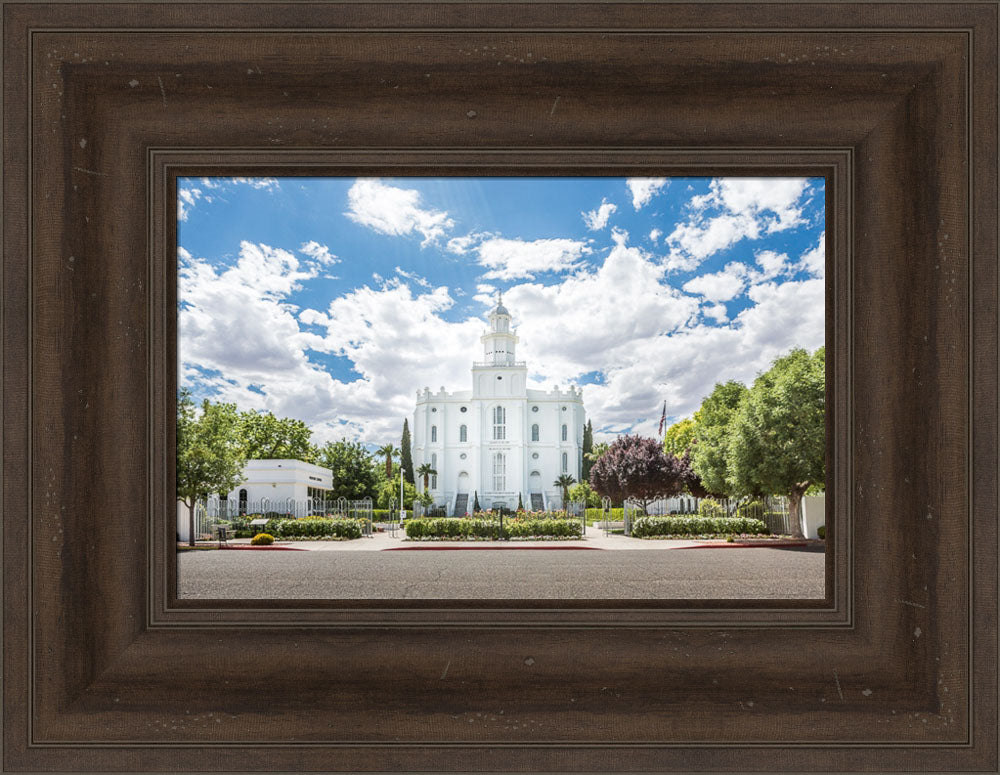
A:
<point x="104" y="669"/>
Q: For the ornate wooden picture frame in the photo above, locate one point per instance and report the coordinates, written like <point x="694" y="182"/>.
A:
<point x="106" y="104"/>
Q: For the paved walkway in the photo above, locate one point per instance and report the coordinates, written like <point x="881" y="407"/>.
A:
<point x="595" y="539"/>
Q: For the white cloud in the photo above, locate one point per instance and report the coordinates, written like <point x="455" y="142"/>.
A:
<point x="186" y="198"/>
<point x="188" y="195"/>
<point x="720" y="286"/>
<point x="717" y="312"/>
<point x="320" y="253"/>
<point x="814" y="261"/>
<point x="771" y="263"/>
<point x="644" y="189"/>
<point x="598" y="219"/>
<point x="413" y="276"/>
<point x="462" y="245"/>
<point x="266" y="184"/>
<point x="654" y="236"/>
<point x="732" y="210"/>
<point x="394" y="211"/>
<point x="622" y="318"/>
<point x="507" y="259"/>
<point x="578" y="325"/>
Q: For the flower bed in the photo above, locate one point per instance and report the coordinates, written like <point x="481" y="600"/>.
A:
<point x="654" y="527"/>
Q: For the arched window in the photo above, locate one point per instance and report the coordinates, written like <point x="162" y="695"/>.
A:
<point x="565" y="462"/>
<point x="434" y="433"/>
<point x="499" y="472"/>
<point x="565" y="432"/>
<point x="534" y="432"/>
<point x="499" y="423"/>
<point x="243" y="503"/>
<point x="434" y="465"/>
<point x="463" y="433"/>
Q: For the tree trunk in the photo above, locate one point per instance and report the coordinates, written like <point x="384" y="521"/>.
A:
<point x="191" y="521"/>
<point x="794" y="513"/>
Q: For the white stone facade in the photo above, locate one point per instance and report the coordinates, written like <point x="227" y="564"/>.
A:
<point x="500" y="439"/>
<point x="268" y="485"/>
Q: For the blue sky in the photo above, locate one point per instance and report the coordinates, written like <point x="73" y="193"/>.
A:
<point x="334" y="299"/>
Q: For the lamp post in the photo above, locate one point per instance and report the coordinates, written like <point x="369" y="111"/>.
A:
<point x="402" y="504"/>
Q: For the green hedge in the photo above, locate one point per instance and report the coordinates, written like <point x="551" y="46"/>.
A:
<point x="442" y="527"/>
<point x="617" y="515"/>
<point x="644" y="527"/>
<point x="469" y="527"/>
<point x="314" y="527"/>
<point x="559" y="528"/>
<point x="388" y="515"/>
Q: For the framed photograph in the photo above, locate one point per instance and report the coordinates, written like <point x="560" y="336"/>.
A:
<point x="195" y="195"/>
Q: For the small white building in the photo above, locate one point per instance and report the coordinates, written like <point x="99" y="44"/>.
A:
<point x="500" y="440"/>
<point x="286" y="486"/>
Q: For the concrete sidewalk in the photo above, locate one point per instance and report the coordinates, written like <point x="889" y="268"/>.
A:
<point x="595" y="539"/>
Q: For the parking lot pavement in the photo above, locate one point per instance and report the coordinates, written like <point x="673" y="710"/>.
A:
<point x="765" y="573"/>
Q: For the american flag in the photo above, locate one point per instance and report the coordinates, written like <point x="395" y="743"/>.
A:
<point x="663" y="418"/>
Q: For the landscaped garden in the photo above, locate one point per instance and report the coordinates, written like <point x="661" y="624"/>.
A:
<point x="304" y="529"/>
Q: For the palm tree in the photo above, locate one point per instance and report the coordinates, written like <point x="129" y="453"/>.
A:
<point x="599" y="449"/>
<point x="390" y="452"/>
<point x="426" y="471"/>
<point x="565" y="481"/>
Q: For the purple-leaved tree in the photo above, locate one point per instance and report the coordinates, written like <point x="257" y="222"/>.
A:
<point x="637" y="468"/>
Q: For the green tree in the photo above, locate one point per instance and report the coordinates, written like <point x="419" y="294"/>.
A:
<point x="388" y="452"/>
<point x="588" y="447"/>
<point x="520" y="503"/>
<point x="265" y="436"/>
<point x="584" y="492"/>
<point x="426" y="471"/>
<point x="355" y="472"/>
<point x="406" y="454"/>
<point x="708" y="455"/>
<point x="679" y="437"/>
<point x="388" y="492"/>
<point x="777" y="441"/>
<point x="475" y="503"/>
<point x="209" y="454"/>
<point x="564" y="482"/>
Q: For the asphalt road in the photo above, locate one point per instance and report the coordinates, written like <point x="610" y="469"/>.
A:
<point x="504" y="574"/>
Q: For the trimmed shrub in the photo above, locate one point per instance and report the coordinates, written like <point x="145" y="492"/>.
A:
<point x="822" y="531"/>
<point x="645" y="527"/>
<point x="557" y="528"/>
<point x="474" y="527"/>
<point x="711" y="509"/>
<point x="617" y="515"/>
<point x="262" y="539"/>
<point x="315" y="527"/>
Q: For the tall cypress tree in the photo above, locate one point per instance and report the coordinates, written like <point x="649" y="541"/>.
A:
<point x="406" y="458"/>
<point x="588" y="446"/>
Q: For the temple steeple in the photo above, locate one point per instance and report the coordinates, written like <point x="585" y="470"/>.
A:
<point x="500" y="341"/>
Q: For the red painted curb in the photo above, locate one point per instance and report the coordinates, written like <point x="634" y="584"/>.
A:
<point x="750" y="545"/>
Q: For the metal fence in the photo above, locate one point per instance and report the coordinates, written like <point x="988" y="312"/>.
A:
<point x="772" y="510"/>
<point x="209" y="515"/>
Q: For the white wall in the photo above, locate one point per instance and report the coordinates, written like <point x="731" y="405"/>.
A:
<point x="814" y="514"/>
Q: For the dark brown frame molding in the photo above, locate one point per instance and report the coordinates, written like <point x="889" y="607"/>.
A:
<point x="105" y="104"/>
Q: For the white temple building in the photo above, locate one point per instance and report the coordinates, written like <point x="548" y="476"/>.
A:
<point x="499" y="440"/>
